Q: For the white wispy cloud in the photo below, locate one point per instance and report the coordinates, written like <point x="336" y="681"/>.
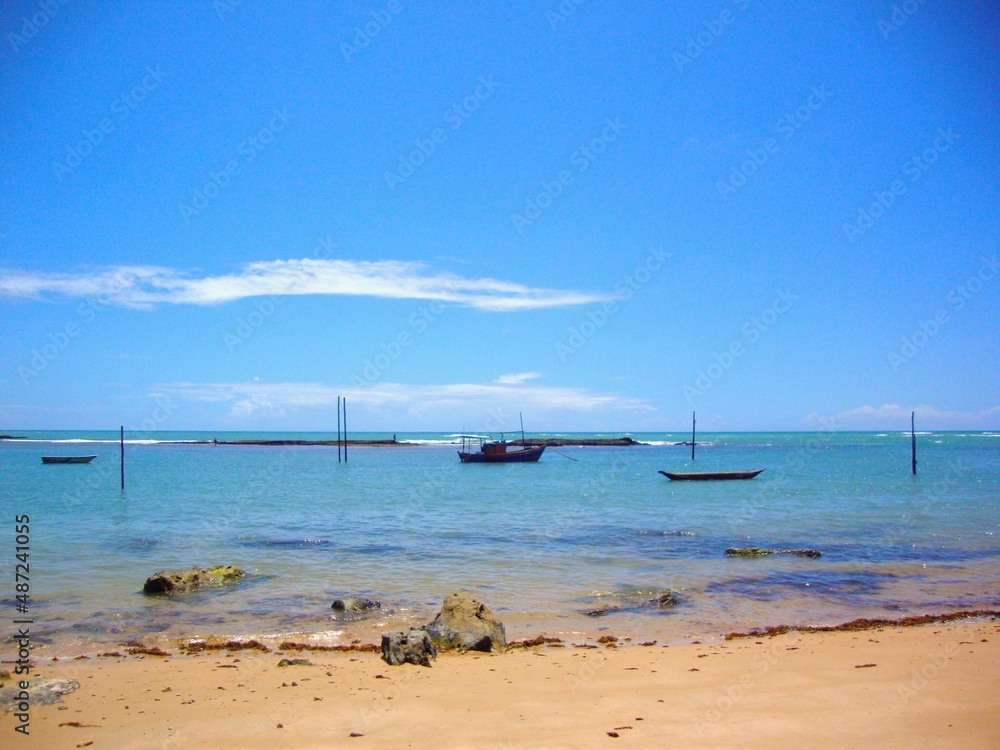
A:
<point x="894" y="416"/>
<point x="145" y="287"/>
<point x="277" y="399"/>
<point x="517" y="378"/>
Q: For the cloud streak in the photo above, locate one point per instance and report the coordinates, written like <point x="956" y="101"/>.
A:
<point x="517" y="378"/>
<point x="145" y="287"/>
<point x="277" y="399"/>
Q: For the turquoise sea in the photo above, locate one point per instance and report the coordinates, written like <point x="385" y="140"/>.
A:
<point x="542" y="544"/>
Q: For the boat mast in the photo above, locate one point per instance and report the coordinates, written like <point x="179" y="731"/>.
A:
<point x="522" y="428"/>
<point x="692" y="435"/>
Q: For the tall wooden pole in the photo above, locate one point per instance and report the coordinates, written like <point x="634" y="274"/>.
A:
<point x="123" y="454"/>
<point x="692" y="435"/>
<point x="345" y="429"/>
<point x="338" y="429"/>
<point x="913" y="443"/>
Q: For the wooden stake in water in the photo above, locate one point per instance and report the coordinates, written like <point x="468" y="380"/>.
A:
<point x="123" y="455"/>
<point x="692" y="435"/>
<point x="913" y="443"/>
<point x="338" y="429"/>
<point x="345" y="429"/>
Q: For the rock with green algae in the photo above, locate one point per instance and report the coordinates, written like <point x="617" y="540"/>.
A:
<point x="759" y="552"/>
<point x="191" y="579"/>
<point x="351" y="607"/>
<point x="748" y="552"/>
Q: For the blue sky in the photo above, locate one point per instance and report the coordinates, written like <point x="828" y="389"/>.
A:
<point x="604" y="215"/>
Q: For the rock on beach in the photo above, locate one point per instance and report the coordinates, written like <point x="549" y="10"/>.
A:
<point x="191" y="579"/>
<point x="414" y="647"/>
<point x="466" y="624"/>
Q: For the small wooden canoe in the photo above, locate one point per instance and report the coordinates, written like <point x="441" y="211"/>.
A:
<point x="705" y="476"/>
<point x="68" y="459"/>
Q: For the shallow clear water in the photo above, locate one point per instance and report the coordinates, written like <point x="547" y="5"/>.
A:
<point x="540" y="543"/>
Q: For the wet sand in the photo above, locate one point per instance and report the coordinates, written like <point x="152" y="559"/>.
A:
<point x="933" y="685"/>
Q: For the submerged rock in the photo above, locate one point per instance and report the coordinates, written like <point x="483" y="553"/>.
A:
<point x="191" y="579"/>
<point x="414" y="647"/>
<point x="634" y="599"/>
<point x="601" y="611"/>
<point x="801" y="552"/>
<point x="355" y="605"/>
<point x="748" y="552"/>
<point x="760" y="552"/>
<point x="669" y="599"/>
<point x="466" y="624"/>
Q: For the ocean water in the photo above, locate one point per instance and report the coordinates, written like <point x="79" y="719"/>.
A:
<point x="542" y="544"/>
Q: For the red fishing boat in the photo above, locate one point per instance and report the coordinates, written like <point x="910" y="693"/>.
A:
<point x="496" y="451"/>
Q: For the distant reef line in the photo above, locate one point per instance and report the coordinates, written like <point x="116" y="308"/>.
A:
<point x="393" y="443"/>
<point x="390" y="443"/>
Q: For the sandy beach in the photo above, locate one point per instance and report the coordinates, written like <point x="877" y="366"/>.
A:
<point x="935" y="685"/>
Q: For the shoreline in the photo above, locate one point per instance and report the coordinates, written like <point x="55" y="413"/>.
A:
<point x="889" y="685"/>
<point x="365" y="634"/>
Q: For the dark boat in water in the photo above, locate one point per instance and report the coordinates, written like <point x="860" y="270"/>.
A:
<point x="68" y="459"/>
<point x="710" y="475"/>
<point x="495" y="451"/>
